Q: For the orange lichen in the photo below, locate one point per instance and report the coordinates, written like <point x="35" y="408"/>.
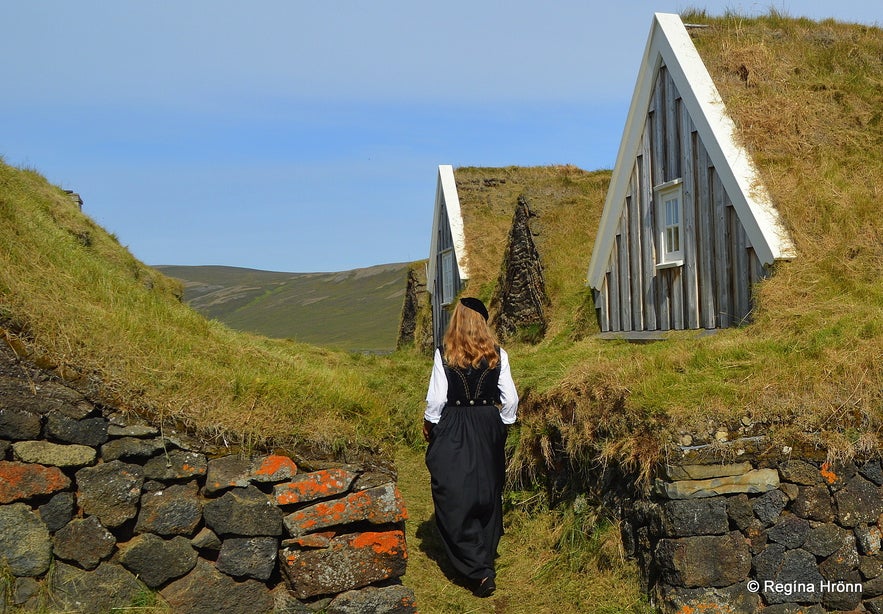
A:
<point x="25" y="480"/>
<point x="389" y="542"/>
<point x="826" y="472"/>
<point x="274" y="464"/>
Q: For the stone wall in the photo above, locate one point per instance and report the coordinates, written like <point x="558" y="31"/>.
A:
<point x="101" y="510"/>
<point x="519" y="302"/>
<point x="744" y="527"/>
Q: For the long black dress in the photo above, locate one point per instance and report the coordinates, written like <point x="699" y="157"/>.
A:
<point x="466" y="461"/>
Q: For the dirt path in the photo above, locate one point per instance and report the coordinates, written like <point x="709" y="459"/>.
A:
<point x="534" y="576"/>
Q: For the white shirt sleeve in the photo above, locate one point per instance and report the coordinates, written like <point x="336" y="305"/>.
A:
<point x="437" y="395"/>
<point x="508" y="394"/>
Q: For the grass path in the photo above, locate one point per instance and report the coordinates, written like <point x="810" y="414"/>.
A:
<point x="533" y="576"/>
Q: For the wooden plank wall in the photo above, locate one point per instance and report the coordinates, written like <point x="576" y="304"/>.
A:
<point x="712" y="289"/>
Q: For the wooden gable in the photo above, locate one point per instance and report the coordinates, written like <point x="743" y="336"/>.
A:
<point x="687" y="227"/>
<point x="446" y="270"/>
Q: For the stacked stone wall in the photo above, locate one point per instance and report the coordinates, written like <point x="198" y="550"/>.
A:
<point x="101" y="510"/>
<point x="728" y="529"/>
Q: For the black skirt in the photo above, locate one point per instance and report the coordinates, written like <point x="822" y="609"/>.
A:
<point x="467" y="466"/>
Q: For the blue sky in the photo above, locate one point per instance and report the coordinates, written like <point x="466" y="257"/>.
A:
<point x="301" y="136"/>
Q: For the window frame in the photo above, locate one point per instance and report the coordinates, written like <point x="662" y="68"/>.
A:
<point x="665" y="193"/>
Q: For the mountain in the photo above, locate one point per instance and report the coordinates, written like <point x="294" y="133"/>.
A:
<point x="357" y="310"/>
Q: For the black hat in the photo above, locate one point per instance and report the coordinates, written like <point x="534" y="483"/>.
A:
<point x="475" y="305"/>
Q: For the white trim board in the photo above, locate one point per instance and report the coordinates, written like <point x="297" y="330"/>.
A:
<point x="446" y="194"/>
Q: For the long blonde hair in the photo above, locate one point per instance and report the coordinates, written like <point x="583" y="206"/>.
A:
<point x="469" y="340"/>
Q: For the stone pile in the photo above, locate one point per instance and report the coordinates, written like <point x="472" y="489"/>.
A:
<point x="773" y="533"/>
<point x="99" y="510"/>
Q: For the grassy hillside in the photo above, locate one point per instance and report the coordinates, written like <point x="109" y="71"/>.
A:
<point x="355" y="310"/>
<point x="75" y="301"/>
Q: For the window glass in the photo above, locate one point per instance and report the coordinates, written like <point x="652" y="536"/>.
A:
<point x="447" y="268"/>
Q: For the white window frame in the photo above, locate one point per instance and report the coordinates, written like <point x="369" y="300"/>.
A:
<point x="670" y="222"/>
<point x="447" y="276"/>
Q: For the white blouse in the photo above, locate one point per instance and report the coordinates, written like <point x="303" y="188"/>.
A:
<point x="437" y="395"/>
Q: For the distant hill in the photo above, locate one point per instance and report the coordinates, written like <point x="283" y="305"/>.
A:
<point x="356" y="310"/>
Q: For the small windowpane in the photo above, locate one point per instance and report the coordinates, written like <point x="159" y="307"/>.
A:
<point x="447" y="276"/>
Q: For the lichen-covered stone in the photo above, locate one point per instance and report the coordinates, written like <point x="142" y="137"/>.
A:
<point x="227" y="472"/>
<point x="53" y="454"/>
<point x="314" y="485"/>
<point x="176" y="465"/>
<point x="25" y="544"/>
<point x="271" y="469"/>
<point x="379" y="505"/>
<point x="859" y="501"/>
<point x="725" y="600"/>
<point x="110" y="491"/>
<point x="132" y="430"/>
<point x="868" y="539"/>
<point x="351" y="561"/>
<point x="156" y="560"/>
<point x="237" y="472"/>
<point x="248" y="557"/>
<point x="84" y="541"/>
<point x="175" y="510"/>
<point x="24" y="481"/>
<point x="204" y="589"/>
<point x="244" y="512"/>
<point x="841" y="562"/>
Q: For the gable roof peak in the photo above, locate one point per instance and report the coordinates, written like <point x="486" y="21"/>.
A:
<point x="669" y="44"/>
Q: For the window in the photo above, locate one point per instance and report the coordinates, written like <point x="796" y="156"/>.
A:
<point x="447" y="272"/>
<point x="669" y="203"/>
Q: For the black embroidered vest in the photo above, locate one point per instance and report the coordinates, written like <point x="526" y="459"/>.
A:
<point x="471" y="385"/>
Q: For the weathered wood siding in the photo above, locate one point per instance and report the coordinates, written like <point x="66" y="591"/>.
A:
<point x="440" y="313"/>
<point x="712" y="289"/>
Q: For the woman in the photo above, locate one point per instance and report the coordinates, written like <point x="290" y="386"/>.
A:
<point x="470" y="402"/>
